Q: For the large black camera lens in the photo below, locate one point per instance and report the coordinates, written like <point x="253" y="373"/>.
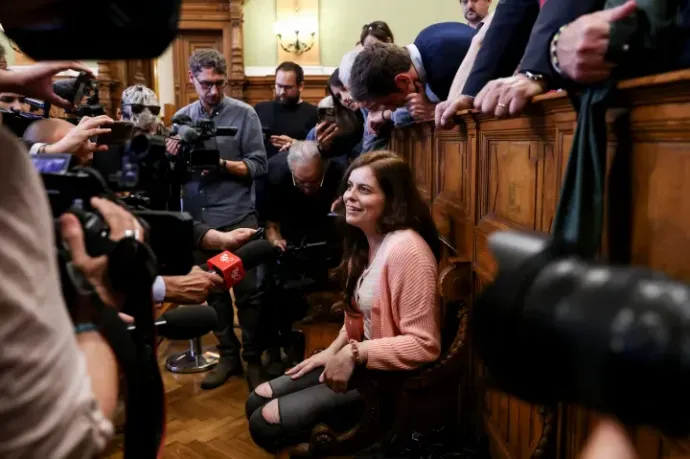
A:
<point x="614" y="339"/>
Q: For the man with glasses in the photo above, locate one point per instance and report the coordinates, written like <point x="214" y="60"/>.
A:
<point x="301" y="188"/>
<point x="286" y="118"/>
<point x="223" y="199"/>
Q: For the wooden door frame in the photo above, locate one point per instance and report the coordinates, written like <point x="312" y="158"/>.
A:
<point x="226" y="17"/>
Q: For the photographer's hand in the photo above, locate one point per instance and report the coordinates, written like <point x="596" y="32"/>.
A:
<point x="77" y="141"/>
<point x="193" y="288"/>
<point x="325" y="133"/>
<point x="172" y="145"/>
<point x="37" y="81"/>
<point x="120" y="223"/>
<point x="231" y="240"/>
<point x="280" y="141"/>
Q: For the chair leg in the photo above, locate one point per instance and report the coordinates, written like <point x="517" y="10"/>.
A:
<point x="194" y="360"/>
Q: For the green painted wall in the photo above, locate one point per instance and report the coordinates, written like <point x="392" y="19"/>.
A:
<point x="260" y="47"/>
<point x="341" y="22"/>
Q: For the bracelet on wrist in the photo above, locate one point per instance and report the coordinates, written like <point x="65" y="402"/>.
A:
<point x="553" y="50"/>
<point x="85" y="328"/>
<point x="356" y="356"/>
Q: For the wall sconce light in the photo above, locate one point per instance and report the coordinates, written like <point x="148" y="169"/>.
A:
<point x="291" y="30"/>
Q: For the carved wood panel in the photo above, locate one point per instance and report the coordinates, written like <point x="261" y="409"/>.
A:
<point x="507" y="173"/>
<point x="213" y="24"/>
<point x="452" y="207"/>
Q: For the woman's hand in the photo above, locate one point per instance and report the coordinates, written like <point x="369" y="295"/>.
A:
<point x="120" y="222"/>
<point x="315" y="361"/>
<point x="339" y="370"/>
<point x="325" y="133"/>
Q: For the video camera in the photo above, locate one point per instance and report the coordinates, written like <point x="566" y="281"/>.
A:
<point x="554" y="328"/>
<point x="194" y="135"/>
<point x="170" y="234"/>
<point x="17" y="122"/>
<point x="74" y="90"/>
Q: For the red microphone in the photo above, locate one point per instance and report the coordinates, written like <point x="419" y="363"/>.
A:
<point x="233" y="267"/>
<point x="228" y="266"/>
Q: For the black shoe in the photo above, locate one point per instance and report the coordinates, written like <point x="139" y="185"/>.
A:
<point x="254" y="375"/>
<point x="275" y="366"/>
<point x="225" y="368"/>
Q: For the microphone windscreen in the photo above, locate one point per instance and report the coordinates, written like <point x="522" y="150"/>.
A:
<point x="255" y="253"/>
<point x="187" y="322"/>
<point x="187" y="134"/>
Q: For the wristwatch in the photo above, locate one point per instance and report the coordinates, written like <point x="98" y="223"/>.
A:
<point x="223" y="164"/>
<point x="538" y="77"/>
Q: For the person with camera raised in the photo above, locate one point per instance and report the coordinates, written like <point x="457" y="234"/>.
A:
<point x="223" y="200"/>
<point x="301" y="188"/>
<point x="59" y="378"/>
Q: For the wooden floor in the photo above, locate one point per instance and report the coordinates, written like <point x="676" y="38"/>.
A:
<point x="202" y="424"/>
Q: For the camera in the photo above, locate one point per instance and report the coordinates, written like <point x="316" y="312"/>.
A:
<point x="169" y="234"/>
<point x="194" y="136"/>
<point x="74" y="90"/>
<point x="17" y="122"/>
<point x="555" y="328"/>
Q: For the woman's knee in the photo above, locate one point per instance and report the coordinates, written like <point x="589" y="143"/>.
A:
<point x="265" y="428"/>
<point x="258" y="398"/>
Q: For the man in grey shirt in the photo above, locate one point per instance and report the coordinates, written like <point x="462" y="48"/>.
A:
<point x="224" y="200"/>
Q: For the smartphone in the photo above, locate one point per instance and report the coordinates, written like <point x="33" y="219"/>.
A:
<point x="120" y="133"/>
<point x="327" y="114"/>
<point x="259" y="234"/>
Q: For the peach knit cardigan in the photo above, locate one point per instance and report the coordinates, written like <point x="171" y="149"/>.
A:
<point x="406" y="316"/>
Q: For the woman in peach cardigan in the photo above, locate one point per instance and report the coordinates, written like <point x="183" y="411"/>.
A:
<point x="391" y="251"/>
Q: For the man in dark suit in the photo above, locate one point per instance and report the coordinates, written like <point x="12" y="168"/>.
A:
<point x="568" y="43"/>
<point x="499" y="55"/>
<point x="417" y="76"/>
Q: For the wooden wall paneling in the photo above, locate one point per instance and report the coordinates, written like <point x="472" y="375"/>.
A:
<point x="512" y="170"/>
<point x="209" y="24"/>
<point x="421" y="157"/>
<point x="452" y="205"/>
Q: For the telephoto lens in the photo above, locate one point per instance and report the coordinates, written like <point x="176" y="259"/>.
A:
<point x="555" y="328"/>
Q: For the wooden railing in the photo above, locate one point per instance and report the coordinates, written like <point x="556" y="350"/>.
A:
<point x="491" y="174"/>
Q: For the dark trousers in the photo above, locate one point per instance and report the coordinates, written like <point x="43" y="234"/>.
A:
<point x="302" y="403"/>
<point x="285" y="302"/>
<point x="248" y="303"/>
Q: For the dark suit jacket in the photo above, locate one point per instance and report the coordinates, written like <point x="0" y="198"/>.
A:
<point x="552" y="16"/>
<point x="443" y="47"/>
<point x="504" y="43"/>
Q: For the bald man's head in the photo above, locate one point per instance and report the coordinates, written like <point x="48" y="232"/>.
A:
<point x="48" y="131"/>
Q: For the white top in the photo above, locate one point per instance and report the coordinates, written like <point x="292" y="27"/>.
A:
<point x="367" y="286"/>
<point x="47" y="407"/>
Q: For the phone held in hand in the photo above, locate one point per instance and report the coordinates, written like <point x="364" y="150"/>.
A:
<point x="326" y="115"/>
<point x="259" y="234"/>
<point x="120" y="133"/>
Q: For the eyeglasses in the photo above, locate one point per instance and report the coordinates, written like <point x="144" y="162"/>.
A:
<point x="284" y="87"/>
<point x="313" y="184"/>
<point x="12" y="99"/>
<point x="207" y="85"/>
<point x="138" y="108"/>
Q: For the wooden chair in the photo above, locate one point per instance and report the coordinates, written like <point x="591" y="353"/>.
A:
<point x="399" y="403"/>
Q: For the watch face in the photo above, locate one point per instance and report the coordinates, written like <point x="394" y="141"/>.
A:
<point x="533" y="76"/>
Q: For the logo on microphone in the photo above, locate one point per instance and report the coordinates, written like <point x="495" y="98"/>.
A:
<point x="225" y="258"/>
<point x="236" y="275"/>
